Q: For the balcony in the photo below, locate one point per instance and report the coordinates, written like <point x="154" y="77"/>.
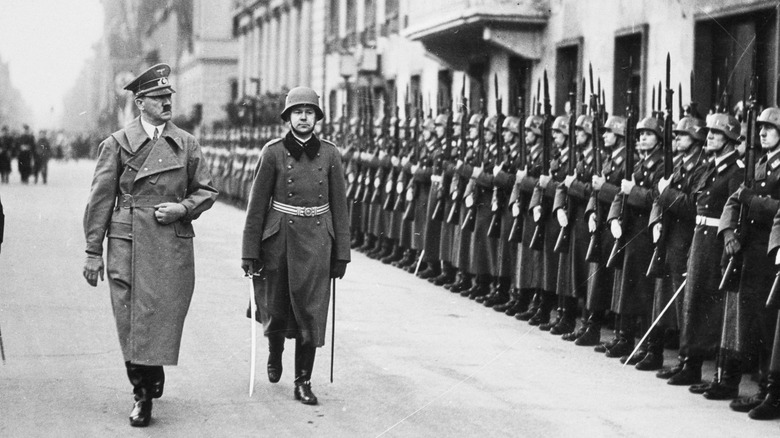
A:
<point x="469" y="26"/>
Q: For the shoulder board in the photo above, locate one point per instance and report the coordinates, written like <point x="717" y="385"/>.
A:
<point x="650" y="163"/>
<point x="619" y="160"/>
<point x="322" y="140"/>
<point x="274" y="141"/>
<point x="723" y="167"/>
<point x="773" y="165"/>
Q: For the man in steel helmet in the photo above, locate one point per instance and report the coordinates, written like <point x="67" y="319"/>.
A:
<point x="442" y="185"/>
<point x="293" y="248"/>
<point x="757" y="269"/>
<point x="541" y="205"/>
<point x="634" y="289"/>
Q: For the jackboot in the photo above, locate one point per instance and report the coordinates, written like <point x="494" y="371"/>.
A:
<point x="368" y="243"/>
<point x="592" y="334"/>
<point x="141" y="414"/>
<point x="502" y="293"/>
<point x="275" y="350"/>
<point x="532" y="307"/>
<point x="481" y="287"/>
<point x="431" y="271"/>
<point x="747" y="404"/>
<point x="411" y="267"/>
<point x="446" y="276"/>
<point x="522" y="301"/>
<point x="654" y="359"/>
<point x="493" y="287"/>
<point x="769" y="409"/>
<point x="667" y="372"/>
<point x="357" y="240"/>
<point x="512" y="302"/>
<point x="542" y="315"/>
<point x="396" y="254"/>
<point x="382" y="250"/>
<point x="690" y="374"/>
<point x="547" y="326"/>
<point x="624" y="345"/>
<point x="726" y="385"/>
<point x="304" y="364"/>
<point x="464" y="283"/>
<point x="409" y="258"/>
<point x="568" y="320"/>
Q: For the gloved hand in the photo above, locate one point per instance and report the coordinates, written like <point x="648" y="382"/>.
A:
<point x="663" y="184"/>
<point x="459" y="164"/>
<point x="777" y="258"/>
<point x="521" y="174"/>
<point x="563" y="219"/>
<point x="93" y="268"/>
<point x="414" y="168"/>
<point x="544" y="180"/>
<point x="251" y="266"/>
<point x="395" y="161"/>
<point x="627" y="185"/>
<point x="598" y="181"/>
<point x="496" y="170"/>
<point x="616" y="228"/>
<point x="338" y="268"/>
<point x="592" y="223"/>
<point x="169" y="212"/>
<point x="476" y="172"/>
<point x="404" y="161"/>
<point x="745" y="195"/>
<point x="568" y="180"/>
<point x="537" y="213"/>
<point x="656" y="232"/>
<point x="382" y="155"/>
<point x="730" y="242"/>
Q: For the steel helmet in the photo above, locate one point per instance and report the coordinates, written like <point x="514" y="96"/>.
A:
<point x="441" y="120"/>
<point x="770" y="116"/>
<point x="561" y="123"/>
<point x="585" y="122"/>
<point x="490" y="123"/>
<point x="534" y="124"/>
<point x="379" y="121"/>
<point x="429" y="124"/>
<point x="512" y="123"/>
<point x="457" y="118"/>
<point x="691" y="126"/>
<point x="724" y="123"/>
<point x="475" y="120"/>
<point x="650" y="124"/>
<point x="616" y="124"/>
<point x="302" y="96"/>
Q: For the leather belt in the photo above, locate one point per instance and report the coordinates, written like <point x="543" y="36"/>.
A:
<point x="707" y="221"/>
<point x="300" y="211"/>
<point x="144" y="201"/>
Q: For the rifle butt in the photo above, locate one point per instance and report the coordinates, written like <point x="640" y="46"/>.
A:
<point x="729" y="275"/>
<point x="494" y="228"/>
<point x="594" y="249"/>
<point x="656" y="267"/>
<point x="773" y="301"/>
<point x="537" y="240"/>
<point x="562" y="242"/>
<point x="615" y="259"/>
<point x="469" y="221"/>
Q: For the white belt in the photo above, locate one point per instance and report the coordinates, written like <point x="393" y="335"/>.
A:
<point x="301" y="211"/>
<point x="707" y="221"/>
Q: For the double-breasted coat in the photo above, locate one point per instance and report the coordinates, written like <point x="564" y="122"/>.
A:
<point x="150" y="266"/>
<point x="297" y="251"/>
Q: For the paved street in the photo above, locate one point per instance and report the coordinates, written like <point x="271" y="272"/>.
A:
<point x="412" y="360"/>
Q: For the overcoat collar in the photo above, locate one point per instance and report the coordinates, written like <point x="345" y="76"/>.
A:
<point x="296" y="149"/>
<point x="136" y="134"/>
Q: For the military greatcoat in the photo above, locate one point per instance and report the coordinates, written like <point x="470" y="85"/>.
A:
<point x="150" y="266"/>
<point x="297" y="251"/>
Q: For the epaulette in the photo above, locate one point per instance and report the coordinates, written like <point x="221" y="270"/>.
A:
<point x="274" y="141"/>
<point x="650" y="163"/>
<point x="322" y="140"/>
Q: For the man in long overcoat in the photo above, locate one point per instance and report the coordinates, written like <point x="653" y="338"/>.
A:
<point x="296" y="237"/>
<point x="151" y="181"/>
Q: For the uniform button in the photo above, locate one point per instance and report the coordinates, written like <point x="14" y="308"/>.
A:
<point x="160" y="160"/>
<point x="291" y="221"/>
<point x="763" y="184"/>
<point x="289" y="195"/>
<point x="289" y="181"/>
<point x="129" y="234"/>
<point x="320" y="181"/>
<point x="146" y="168"/>
<point x="318" y="154"/>
<point x="705" y="231"/>
<point x="708" y="192"/>
<point x="288" y="154"/>
<point x="320" y="196"/>
<point x="320" y="168"/>
<point x="289" y="166"/>
<point x="318" y="222"/>
<point x="706" y="205"/>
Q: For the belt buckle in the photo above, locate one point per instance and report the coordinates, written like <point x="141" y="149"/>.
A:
<point x="308" y="211"/>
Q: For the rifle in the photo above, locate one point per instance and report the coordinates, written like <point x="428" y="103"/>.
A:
<point x="383" y="145"/>
<point x="731" y="274"/>
<point x="496" y="204"/>
<point x="517" y="199"/>
<point x="401" y="181"/>
<point x="773" y="300"/>
<point x="352" y="176"/>
<point x="562" y="242"/>
<point x="597" y="110"/>
<point x="459" y="183"/>
<point x="470" y="220"/>
<point x="656" y="268"/>
<point x="361" y="141"/>
<point x="537" y="240"/>
<point x="368" y="181"/>
<point x="616" y="255"/>
<point x="411" y="190"/>
<point x="445" y="155"/>
<point x="391" y="194"/>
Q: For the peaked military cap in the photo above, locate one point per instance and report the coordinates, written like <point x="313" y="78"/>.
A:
<point x="153" y="82"/>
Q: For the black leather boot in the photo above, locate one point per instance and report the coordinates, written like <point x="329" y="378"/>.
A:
<point x="725" y="385"/>
<point x="591" y="336"/>
<point x="747" y="404"/>
<point x="511" y="302"/>
<point x="275" y="349"/>
<point x="446" y="276"/>
<point x="407" y="259"/>
<point x="654" y="359"/>
<point x="769" y="409"/>
<point x="547" y="326"/>
<point x="546" y="304"/>
<point x="431" y="271"/>
<point x="667" y="372"/>
<point x="382" y="250"/>
<point x="530" y="310"/>
<point x="522" y="301"/>
<point x="304" y="364"/>
<point x="368" y="243"/>
<point x="396" y="254"/>
<point x="481" y="287"/>
<point x="464" y="283"/>
<point x="141" y="414"/>
<point x="623" y="347"/>
<point x="690" y="374"/>
<point x="568" y="320"/>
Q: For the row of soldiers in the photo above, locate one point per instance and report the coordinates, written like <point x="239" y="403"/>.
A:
<point x="648" y="225"/>
<point x="31" y="154"/>
<point x="588" y="215"/>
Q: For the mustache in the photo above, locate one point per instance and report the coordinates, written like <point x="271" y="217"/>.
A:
<point x="166" y="107"/>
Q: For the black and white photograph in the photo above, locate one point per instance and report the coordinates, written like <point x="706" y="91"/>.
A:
<point x="389" y="218"/>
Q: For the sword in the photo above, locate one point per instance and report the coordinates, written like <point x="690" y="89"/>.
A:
<point x="657" y="319"/>
<point x="333" y="328"/>
<point x="253" y="331"/>
<point x="419" y="261"/>
<point x="2" y="350"/>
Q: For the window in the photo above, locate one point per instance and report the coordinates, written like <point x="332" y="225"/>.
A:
<point x="629" y="68"/>
<point x="477" y="74"/>
<point x="391" y="17"/>
<point x="519" y="69"/>
<point x="567" y="77"/>
<point x="444" y="92"/>
<point x="728" y="50"/>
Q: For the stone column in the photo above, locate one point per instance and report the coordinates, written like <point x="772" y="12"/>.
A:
<point x="305" y="44"/>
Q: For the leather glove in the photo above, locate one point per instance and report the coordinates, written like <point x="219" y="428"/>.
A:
<point x="459" y="164"/>
<point x="568" y="180"/>
<point x="777" y="258"/>
<point x="730" y="242"/>
<point x="656" y="232"/>
<point x="476" y="172"/>
<point x="663" y="184"/>
<point x="537" y="213"/>
<point x="520" y="175"/>
<point x="544" y="180"/>
<point x="93" y="268"/>
<point x="626" y="186"/>
<point x="395" y="161"/>
<point x="338" y="268"/>
<point x="598" y="181"/>
<point x="404" y="161"/>
<point x="745" y="195"/>
<point x="382" y="155"/>
<point x="414" y="168"/>
<point x="616" y="228"/>
<point x="169" y="212"/>
<point x="497" y="169"/>
<point x="251" y="266"/>
<point x="563" y="219"/>
<point x="592" y="223"/>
